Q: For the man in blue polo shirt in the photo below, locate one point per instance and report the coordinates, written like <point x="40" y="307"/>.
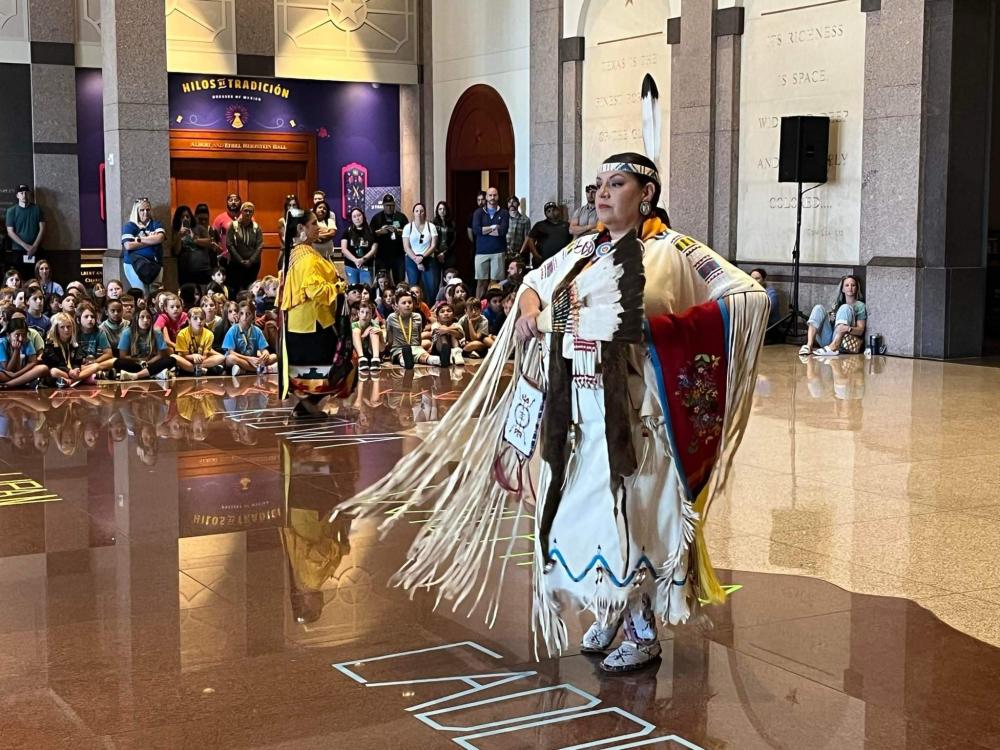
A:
<point x="489" y="225"/>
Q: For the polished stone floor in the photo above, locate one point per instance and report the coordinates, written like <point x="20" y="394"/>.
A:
<point x="165" y="581"/>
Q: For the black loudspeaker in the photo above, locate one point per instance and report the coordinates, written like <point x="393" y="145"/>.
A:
<point x="805" y="141"/>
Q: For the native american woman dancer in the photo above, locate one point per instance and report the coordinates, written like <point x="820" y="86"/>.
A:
<point x="315" y="358"/>
<point x="644" y="343"/>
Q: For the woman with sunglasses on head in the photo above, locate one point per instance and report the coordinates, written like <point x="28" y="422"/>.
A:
<point x="420" y="240"/>
<point x="142" y="242"/>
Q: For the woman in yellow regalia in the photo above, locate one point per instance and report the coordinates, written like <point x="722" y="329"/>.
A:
<point x="316" y="353"/>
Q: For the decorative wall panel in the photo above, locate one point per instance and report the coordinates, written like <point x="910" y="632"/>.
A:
<point x="801" y="58"/>
<point x="359" y="39"/>
<point x="14" y="44"/>
<point x="201" y="25"/>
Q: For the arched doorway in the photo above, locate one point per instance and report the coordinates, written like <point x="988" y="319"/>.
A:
<point x="480" y="149"/>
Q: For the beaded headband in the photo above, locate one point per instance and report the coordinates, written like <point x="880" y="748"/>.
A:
<point x="624" y="166"/>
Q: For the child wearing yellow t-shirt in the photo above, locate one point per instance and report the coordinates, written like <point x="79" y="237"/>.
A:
<point x="193" y="352"/>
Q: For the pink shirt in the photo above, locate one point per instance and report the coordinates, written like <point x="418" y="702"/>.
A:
<point x="221" y="225"/>
<point x="173" y="326"/>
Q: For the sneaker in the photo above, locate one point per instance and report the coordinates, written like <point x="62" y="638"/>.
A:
<point x="262" y="369"/>
<point x="631" y="656"/>
<point x="363" y="365"/>
<point x="198" y="372"/>
<point x="804" y="350"/>
<point x="273" y="369"/>
<point x="475" y="355"/>
<point x="457" y="358"/>
<point x="826" y="352"/>
<point x="127" y="377"/>
<point x="434" y="360"/>
<point x="376" y="368"/>
<point x="235" y="371"/>
<point x="164" y="374"/>
<point x="598" y="640"/>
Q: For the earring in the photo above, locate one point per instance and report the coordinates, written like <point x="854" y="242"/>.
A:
<point x="645" y="208"/>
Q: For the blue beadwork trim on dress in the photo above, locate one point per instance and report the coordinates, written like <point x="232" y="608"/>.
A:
<point x="644" y="561"/>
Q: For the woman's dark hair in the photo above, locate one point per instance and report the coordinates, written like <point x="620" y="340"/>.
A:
<point x="292" y="224"/>
<point x="16" y="324"/>
<point x="189" y="294"/>
<point x="201" y="208"/>
<point x="763" y="273"/>
<point x="175" y="223"/>
<point x="414" y="209"/>
<point x="631" y="157"/>
<point x="288" y="199"/>
<point x="841" y="299"/>
<point x="365" y="232"/>
<point x="447" y="213"/>
<point x="134" y="334"/>
<point x="329" y="211"/>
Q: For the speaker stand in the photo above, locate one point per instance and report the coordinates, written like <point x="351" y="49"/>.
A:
<point x="790" y="323"/>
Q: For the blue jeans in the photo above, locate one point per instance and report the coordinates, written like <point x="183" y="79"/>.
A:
<point x="819" y="320"/>
<point x="133" y="278"/>
<point x="361" y="275"/>
<point x="429" y="280"/>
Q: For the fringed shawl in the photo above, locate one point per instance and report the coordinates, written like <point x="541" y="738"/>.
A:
<point x="453" y="470"/>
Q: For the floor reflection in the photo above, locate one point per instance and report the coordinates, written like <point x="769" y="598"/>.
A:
<point x="170" y="578"/>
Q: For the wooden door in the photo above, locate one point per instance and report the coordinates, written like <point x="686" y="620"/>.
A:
<point x="194" y="181"/>
<point x="465" y="188"/>
<point x="265" y="184"/>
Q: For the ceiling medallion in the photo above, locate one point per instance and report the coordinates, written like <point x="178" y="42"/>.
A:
<point x="348" y="15"/>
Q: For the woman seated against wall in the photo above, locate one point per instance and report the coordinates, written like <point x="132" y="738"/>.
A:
<point x="842" y="328"/>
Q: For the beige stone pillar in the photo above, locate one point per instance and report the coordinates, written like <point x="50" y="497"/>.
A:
<point x="136" y="139"/>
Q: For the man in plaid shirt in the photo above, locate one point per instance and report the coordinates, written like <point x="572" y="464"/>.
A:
<point x="517" y="231"/>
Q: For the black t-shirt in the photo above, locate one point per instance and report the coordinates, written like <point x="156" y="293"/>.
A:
<point x="550" y="238"/>
<point x="359" y="243"/>
<point x="389" y="248"/>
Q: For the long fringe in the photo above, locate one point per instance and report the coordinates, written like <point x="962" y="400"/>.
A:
<point x="451" y="471"/>
<point x="748" y="313"/>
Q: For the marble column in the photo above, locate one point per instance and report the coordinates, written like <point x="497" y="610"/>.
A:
<point x="53" y="87"/>
<point x="571" y="55"/>
<point x="136" y="137"/>
<point x="726" y="128"/>
<point x="891" y="147"/>
<point x="255" y="38"/>
<point x="546" y="152"/>
<point x="692" y="122"/>
<point x="409" y="149"/>
<point x="925" y="174"/>
<point x="427" y="160"/>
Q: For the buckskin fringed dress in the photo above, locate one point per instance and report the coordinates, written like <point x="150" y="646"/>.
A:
<point x="603" y="536"/>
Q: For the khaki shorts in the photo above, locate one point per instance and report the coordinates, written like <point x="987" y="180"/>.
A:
<point x="490" y="267"/>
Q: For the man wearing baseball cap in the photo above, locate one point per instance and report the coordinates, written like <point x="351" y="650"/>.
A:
<point x="548" y="236"/>
<point x="25" y="227"/>
<point x="388" y="228"/>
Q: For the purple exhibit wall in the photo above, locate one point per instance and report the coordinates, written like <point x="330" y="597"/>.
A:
<point x="90" y="155"/>
<point x="352" y="122"/>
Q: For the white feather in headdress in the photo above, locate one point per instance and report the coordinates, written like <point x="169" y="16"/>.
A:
<point x="651" y="126"/>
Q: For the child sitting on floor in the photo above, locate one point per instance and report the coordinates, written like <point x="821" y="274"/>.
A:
<point x="367" y="335"/>
<point x="475" y="330"/>
<point x="19" y="363"/>
<point x="403" y="329"/>
<point x="172" y="318"/>
<point x="245" y="347"/>
<point x="193" y="350"/>
<point x="444" y="338"/>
